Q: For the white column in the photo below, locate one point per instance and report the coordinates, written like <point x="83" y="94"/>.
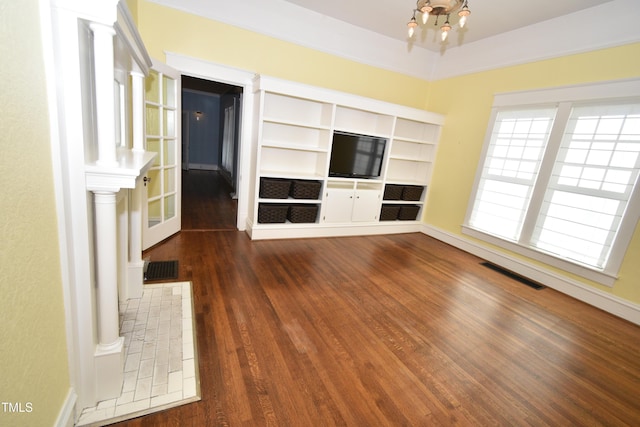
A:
<point x="137" y="110"/>
<point x="109" y="355"/>
<point x="135" y="275"/>
<point x="107" y="268"/>
<point x="104" y="85"/>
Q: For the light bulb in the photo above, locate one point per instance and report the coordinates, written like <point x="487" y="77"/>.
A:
<point x="412" y="26"/>
<point x="445" y="30"/>
<point x="463" y="15"/>
<point x="425" y="12"/>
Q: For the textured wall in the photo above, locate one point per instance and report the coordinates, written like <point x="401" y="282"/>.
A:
<point x="34" y="378"/>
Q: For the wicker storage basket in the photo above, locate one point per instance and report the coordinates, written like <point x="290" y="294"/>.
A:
<point x="408" y="212"/>
<point x="269" y="213"/>
<point x="412" y="192"/>
<point x="274" y="188"/>
<point x="305" y="189"/>
<point x="392" y="192"/>
<point x="389" y="212"/>
<point x="303" y="213"/>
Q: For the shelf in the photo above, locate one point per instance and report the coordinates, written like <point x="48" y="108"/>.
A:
<point x="288" y="175"/>
<point x="295" y="137"/>
<point x="409" y="159"/>
<point x="295" y="133"/>
<point x="292" y="162"/>
<point x="294" y="123"/>
<point x="416" y="131"/>
<point x="406" y="182"/>
<point x="291" y="201"/>
<point x="289" y="109"/>
<point x="412" y="151"/>
<point x="414" y="140"/>
<point x="281" y="146"/>
<point x="408" y="171"/>
<point x="363" y="122"/>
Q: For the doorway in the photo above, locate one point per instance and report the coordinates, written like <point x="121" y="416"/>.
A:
<point x="210" y="135"/>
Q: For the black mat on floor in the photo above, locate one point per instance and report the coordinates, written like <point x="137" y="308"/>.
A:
<point x="161" y="270"/>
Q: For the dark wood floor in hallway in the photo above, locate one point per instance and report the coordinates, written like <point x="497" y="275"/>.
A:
<point x="206" y="202"/>
<point x="396" y="330"/>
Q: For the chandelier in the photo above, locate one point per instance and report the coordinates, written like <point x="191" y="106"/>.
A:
<point x="439" y="8"/>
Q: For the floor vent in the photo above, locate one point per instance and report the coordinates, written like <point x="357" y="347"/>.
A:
<point x="514" y="276"/>
<point x="161" y="270"/>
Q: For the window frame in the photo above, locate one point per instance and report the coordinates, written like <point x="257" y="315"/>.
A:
<point x="563" y="98"/>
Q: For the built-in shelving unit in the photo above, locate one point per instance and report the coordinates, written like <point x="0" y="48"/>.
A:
<point x="294" y="130"/>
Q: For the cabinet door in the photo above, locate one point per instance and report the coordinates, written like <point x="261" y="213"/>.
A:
<point x="338" y="205"/>
<point x="366" y="206"/>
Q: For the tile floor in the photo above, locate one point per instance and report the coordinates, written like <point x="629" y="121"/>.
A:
<point x="160" y="368"/>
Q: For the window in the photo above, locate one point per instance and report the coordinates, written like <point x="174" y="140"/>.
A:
<point x="510" y="170"/>
<point x="558" y="183"/>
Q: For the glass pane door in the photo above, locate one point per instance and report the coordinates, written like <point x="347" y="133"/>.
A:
<point x="162" y="110"/>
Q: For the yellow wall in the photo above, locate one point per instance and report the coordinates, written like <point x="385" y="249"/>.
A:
<point x="466" y="102"/>
<point x="33" y="352"/>
<point x="164" y="29"/>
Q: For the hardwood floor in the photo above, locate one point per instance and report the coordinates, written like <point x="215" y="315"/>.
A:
<point x="398" y="330"/>
<point x="206" y="202"/>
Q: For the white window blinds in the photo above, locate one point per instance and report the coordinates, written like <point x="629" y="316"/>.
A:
<point x="591" y="183"/>
<point x="513" y="159"/>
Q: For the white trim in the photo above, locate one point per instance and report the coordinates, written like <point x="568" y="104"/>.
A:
<point x="221" y="73"/>
<point x="564" y="97"/>
<point x="565" y="35"/>
<point x="558" y="37"/>
<point x="67" y="411"/>
<point x="610" y="89"/>
<point x="295" y="231"/>
<point x="590" y="295"/>
<point x="601" y="277"/>
<point x="60" y="34"/>
<point x="303" y="27"/>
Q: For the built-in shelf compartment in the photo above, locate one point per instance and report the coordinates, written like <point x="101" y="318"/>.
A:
<point x="295" y="126"/>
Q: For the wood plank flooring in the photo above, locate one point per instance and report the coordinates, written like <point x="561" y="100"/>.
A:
<point x="398" y="330"/>
<point x="206" y="202"/>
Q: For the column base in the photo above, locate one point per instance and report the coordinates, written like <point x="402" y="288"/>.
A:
<point x="135" y="279"/>
<point x="109" y="364"/>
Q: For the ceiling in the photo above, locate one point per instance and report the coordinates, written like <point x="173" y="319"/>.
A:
<point x="488" y="17"/>
<point x="499" y="33"/>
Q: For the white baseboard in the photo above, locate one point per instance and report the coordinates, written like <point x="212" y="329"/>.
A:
<point x="66" y="417"/>
<point x="301" y="230"/>
<point x="590" y="295"/>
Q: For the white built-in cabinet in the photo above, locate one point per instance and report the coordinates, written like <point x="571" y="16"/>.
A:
<point x="292" y="141"/>
<point x="348" y="201"/>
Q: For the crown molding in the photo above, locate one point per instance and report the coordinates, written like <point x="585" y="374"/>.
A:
<point x="557" y="37"/>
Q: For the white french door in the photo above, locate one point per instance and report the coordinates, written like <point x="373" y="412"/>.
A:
<point x="161" y="213"/>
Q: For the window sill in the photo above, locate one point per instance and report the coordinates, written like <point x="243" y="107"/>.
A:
<point x="598" y="276"/>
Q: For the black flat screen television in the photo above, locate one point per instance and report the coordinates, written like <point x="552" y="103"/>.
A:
<point x="356" y="156"/>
